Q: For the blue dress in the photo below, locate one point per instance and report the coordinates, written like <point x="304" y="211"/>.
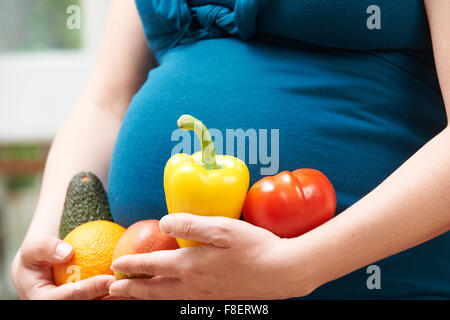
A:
<point x="341" y="86"/>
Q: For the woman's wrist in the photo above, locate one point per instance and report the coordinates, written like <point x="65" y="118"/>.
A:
<point x="296" y="267"/>
<point x="316" y="258"/>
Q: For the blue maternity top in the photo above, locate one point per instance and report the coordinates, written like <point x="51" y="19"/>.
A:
<point x="347" y="87"/>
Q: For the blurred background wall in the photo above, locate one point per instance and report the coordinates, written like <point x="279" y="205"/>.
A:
<point x="44" y="65"/>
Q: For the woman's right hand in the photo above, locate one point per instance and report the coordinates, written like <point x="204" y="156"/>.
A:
<point x="32" y="274"/>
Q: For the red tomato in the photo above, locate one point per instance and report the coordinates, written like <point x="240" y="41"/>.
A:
<point x="290" y="203"/>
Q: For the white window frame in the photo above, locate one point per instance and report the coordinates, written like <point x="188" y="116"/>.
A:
<point x="38" y="89"/>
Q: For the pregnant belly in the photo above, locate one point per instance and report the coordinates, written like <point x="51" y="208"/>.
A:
<point x="352" y="115"/>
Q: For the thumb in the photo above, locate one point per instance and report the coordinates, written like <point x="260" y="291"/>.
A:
<point x="217" y="231"/>
<point x="43" y="250"/>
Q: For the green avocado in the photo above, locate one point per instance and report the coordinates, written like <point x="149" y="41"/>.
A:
<point x="86" y="200"/>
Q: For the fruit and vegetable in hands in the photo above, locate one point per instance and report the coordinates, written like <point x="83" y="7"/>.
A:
<point x="142" y="237"/>
<point x="85" y="201"/>
<point x="205" y="183"/>
<point x="290" y="203"/>
<point x="287" y="204"/>
<point x="93" y="244"/>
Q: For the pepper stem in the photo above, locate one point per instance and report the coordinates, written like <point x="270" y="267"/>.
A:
<point x="187" y="122"/>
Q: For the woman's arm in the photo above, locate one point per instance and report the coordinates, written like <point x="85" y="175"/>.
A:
<point x="438" y="12"/>
<point x="410" y="207"/>
<point x="85" y="141"/>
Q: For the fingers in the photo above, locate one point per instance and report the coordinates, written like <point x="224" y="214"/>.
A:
<point x="87" y="289"/>
<point x="163" y="263"/>
<point x="43" y="250"/>
<point x="157" y="288"/>
<point x="218" y="231"/>
<point x="110" y="297"/>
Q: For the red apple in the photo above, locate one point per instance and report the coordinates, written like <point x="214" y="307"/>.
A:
<point x="142" y="237"/>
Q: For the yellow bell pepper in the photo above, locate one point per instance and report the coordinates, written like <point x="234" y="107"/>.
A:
<point x="205" y="183"/>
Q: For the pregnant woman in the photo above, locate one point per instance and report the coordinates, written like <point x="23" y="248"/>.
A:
<point x="352" y="88"/>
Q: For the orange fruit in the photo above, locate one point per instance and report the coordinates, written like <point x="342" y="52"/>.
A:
<point x="93" y="246"/>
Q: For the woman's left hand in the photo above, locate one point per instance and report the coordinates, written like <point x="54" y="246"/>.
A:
<point x="238" y="261"/>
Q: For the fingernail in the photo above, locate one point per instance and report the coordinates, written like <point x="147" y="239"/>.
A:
<point x="108" y="285"/>
<point x="115" y="265"/>
<point x="63" y="249"/>
<point x="166" y="223"/>
<point x="111" y="290"/>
